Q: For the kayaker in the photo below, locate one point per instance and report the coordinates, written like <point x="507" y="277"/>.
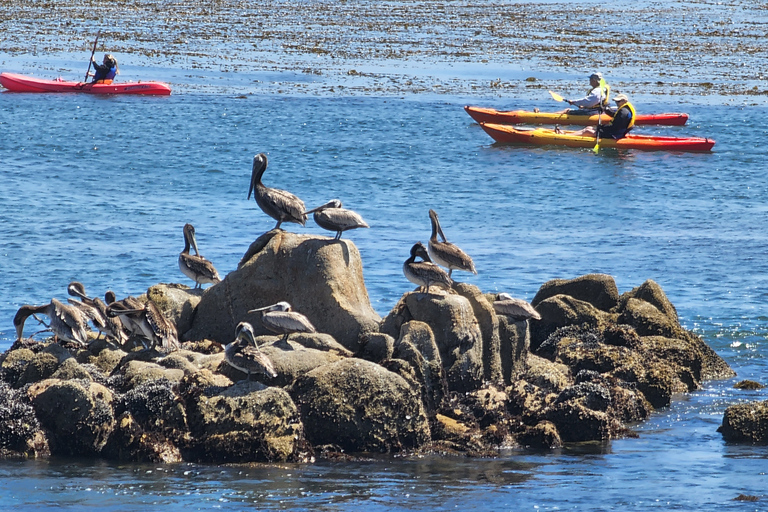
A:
<point x="105" y="72"/>
<point x="595" y="100"/>
<point x="623" y="121"/>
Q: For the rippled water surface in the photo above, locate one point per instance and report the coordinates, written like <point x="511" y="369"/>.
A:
<point x="98" y="189"/>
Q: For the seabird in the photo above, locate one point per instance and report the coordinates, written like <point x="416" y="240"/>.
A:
<point x="445" y="253"/>
<point x="278" y="204"/>
<point x="151" y="323"/>
<point x="518" y="309"/>
<point x="194" y="266"/>
<point x="110" y="326"/>
<point x="245" y="355"/>
<point x="333" y="217"/>
<point x="425" y="273"/>
<point x="67" y="322"/>
<point x="281" y="319"/>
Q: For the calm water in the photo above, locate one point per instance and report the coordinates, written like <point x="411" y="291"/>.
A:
<point x="98" y="189"/>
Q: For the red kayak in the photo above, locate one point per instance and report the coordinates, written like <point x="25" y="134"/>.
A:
<point x="489" y="115"/>
<point x="22" y="83"/>
<point x="542" y="137"/>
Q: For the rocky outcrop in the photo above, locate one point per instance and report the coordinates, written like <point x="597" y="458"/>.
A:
<point x="746" y="423"/>
<point x="442" y="372"/>
<point x="320" y="277"/>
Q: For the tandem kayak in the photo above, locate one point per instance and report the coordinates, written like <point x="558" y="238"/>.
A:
<point x="22" y="83"/>
<point x="542" y="136"/>
<point x="489" y="115"/>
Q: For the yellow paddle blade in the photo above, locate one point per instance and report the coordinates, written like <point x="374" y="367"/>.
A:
<point x="556" y="97"/>
<point x="596" y="149"/>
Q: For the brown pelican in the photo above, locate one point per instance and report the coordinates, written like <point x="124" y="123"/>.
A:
<point x="195" y="267"/>
<point x="151" y="323"/>
<point x="67" y="322"/>
<point x="278" y="204"/>
<point x="110" y="326"/>
<point x="118" y="306"/>
<point x="445" y="253"/>
<point x="518" y="309"/>
<point x="244" y="353"/>
<point x="424" y="273"/>
<point x="280" y="319"/>
<point x="333" y="217"/>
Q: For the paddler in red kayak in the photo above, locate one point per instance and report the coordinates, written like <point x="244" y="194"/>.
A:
<point x="105" y="72"/>
<point x="623" y="121"/>
<point x="595" y="100"/>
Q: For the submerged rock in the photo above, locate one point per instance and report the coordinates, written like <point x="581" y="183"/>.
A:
<point x="746" y="423"/>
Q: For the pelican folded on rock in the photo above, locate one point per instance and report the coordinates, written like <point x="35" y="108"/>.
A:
<point x="151" y="323"/>
<point x="194" y="266"/>
<point x="244" y="353"/>
<point x="518" y="309"/>
<point x="425" y="273"/>
<point x="67" y="322"/>
<point x="445" y="253"/>
<point x="281" y="319"/>
<point x="333" y="217"/>
<point x="278" y="204"/>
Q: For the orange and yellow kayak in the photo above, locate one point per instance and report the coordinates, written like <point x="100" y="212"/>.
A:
<point x="542" y="136"/>
<point x="490" y="115"/>
<point x="22" y="83"/>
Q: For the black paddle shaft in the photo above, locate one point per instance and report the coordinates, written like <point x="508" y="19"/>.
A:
<point x="92" y="53"/>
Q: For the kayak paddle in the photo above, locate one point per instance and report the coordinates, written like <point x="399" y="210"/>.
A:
<point x="92" y="52"/>
<point x="556" y="97"/>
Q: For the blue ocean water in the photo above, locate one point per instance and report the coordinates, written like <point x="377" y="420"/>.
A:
<point x="98" y="189"/>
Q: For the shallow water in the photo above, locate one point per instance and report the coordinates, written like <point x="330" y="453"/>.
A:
<point x="98" y="189"/>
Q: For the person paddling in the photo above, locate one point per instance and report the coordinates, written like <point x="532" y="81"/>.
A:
<point x="105" y="72"/>
<point x="596" y="99"/>
<point x="623" y="121"/>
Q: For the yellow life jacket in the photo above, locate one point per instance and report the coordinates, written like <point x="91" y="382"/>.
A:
<point x="606" y="90"/>
<point x="632" y="111"/>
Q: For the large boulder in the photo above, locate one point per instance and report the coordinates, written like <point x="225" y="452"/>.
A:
<point x="245" y="422"/>
<point x="21" y="435"/>
<point x="597" y="289"/>
<point x="456" y="331"/>
<point x="320" y="277"/>
<point x="746" y="423"/>
<point x="360" y="406"/>
<point x="77" y="415"/>
<point x="561" y="311"/>
<point x="488" y="322"/>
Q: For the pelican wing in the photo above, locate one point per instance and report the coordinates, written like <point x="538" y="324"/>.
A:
<point x="339" y="219"/>
<point x="162" y="327"/>
<point x="516" y="308"/>
<point x="198" y="268"/>
<point x="450" y="256"/>
<point x="286" y="322"/>
<point x="68" y="322"/>
<point x="257" y="361"/>
<point x="282" y="204"/>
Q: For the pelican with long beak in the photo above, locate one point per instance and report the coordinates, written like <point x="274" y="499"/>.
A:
<point x="518" y="309"/>
<point x="244" y="353"/>
<point x="150" y="322"/>
<point x="445" y="253"/>
<point x="194" y="266"/>
<point x="333" y="217"/>
<point x="68" y="323"/>
<point x="425" y="273"/>
<point x="110" y="326"/>
<point x="278" y="204"/>
<point x="281" y="319"/>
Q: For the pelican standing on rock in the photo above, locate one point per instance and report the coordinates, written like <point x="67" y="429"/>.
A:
<point x="281" y="319"/>
<point x="518" y="309"/>
<point x="333" y="217"/>
<point x="425" y="273"/>
<point x="278" y="204"/>
<point x="151" y="322"/>
<point x="194" y="266"/>
<point x="67" y="322"/>
<point x="445" y="253"/>
<point x="244" y="354"/>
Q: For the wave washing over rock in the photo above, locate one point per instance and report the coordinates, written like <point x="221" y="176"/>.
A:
<point x="442" y="372"/>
